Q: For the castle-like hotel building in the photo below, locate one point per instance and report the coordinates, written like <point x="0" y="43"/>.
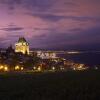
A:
<point x="22" y="46"/>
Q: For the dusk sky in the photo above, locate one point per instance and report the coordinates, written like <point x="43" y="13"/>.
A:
<point x="65" y="24"/>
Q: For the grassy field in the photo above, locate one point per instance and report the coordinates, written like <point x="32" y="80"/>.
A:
<point x="50" y="86"/>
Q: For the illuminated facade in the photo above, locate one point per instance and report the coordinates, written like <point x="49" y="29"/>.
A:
<point x="46" y="55"/>
<point x="22" y="46"/>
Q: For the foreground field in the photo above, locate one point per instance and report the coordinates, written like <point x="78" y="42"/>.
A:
<point x="50" y="86"/>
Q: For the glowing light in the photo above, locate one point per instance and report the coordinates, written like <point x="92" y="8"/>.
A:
<point x="39" y="68"/>
<point x="81" y="66"/>
<point x="6" y="68"/>
<point x="34" y="68"/>
<point x="74" y="68"/>
<point x="22" y="68"/>
<point x="53" y="68"/>
<point x="17" y="67"/>
<point x="62" y="68"/>
<point x="73" y="52"/>
<point x="1" y="67"/>
<point x="96" y="68"/>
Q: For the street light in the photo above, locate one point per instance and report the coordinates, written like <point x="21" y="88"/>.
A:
<point x="39" y="68"/>
<point x="1" y="67"/>
<point x="53" y="68"/>
<point x="17" y="67"/>
<point x="22" y="68"/>
<point x="6" y="68"/>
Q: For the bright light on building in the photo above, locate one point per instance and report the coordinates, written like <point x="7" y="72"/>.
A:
<point x="17" y="67"/>
<point x="96" y="68"/>
<point x="53" y="68"/>
<point x="6" y="68"/>
<point x="62" y="68"/>
<point x="39" y="68"/>
<point x="34" y="68"/>
<point x="22" y="68"/>
<point x="1" y="67"/>
<point x="81" y="66"/>
<point x="74" y="68"/>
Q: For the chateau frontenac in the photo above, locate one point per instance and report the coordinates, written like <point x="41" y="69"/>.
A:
<point x="22" y="46"/>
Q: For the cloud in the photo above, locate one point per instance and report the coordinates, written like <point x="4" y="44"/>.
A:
<point x="39" y="28"/>
<point x="55" y="17"/>
<point x="42" y="36"/>
<point x="76" y="30"/>
<point x="51" y="23"/>
<point x="12" y="29"/>
<point x="83" y="38"/>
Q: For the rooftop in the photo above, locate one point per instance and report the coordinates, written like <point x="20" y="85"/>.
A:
<point x="22" y="39"/>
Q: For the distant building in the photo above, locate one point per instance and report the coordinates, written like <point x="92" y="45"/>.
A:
<point x="22" y="46"/>
<point x="46" y="55"/>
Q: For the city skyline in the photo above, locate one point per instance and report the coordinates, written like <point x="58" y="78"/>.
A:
<point x="66" y="24"/>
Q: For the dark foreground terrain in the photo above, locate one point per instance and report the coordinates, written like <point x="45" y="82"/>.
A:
<point x="50" y="86"/>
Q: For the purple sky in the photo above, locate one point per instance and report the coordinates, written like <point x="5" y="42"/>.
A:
<point x="68" y="24"/>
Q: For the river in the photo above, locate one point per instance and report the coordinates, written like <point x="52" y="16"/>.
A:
<point x="90" y="58"/>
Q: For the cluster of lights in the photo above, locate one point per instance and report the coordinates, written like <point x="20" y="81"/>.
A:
<point x="18" y="68"/>
<point x="4" y="68"/>
<point x="37" y="68"/>
<point x="79" y="67"/>
<point x="62" y="68"/>
<point x="53" y="68"/>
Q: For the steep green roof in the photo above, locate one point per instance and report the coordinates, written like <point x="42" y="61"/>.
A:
<point x="22" y="39"/>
